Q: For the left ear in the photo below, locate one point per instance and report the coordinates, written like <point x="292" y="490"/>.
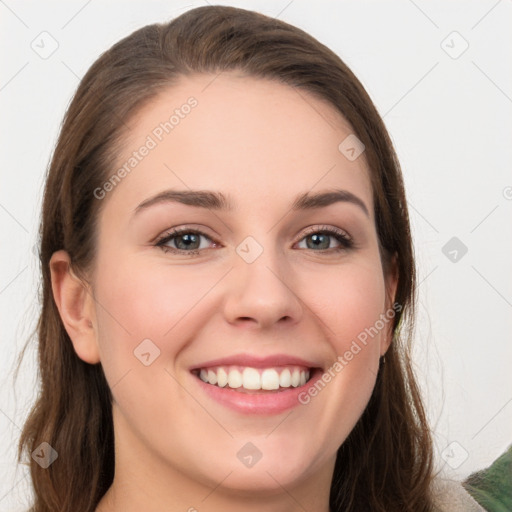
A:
<point x="391" y="284"/>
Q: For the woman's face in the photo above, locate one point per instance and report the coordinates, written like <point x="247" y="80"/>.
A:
<point x="255" y="294"/>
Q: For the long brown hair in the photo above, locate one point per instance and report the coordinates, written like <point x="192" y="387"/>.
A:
<point x="386" y="462"/>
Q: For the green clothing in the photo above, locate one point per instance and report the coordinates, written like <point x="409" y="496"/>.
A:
<point x="492" y="487"/>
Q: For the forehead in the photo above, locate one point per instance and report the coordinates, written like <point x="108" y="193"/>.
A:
<point x="256" y="140"/>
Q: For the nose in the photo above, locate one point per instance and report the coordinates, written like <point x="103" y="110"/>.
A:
<point x="261" y="294"/>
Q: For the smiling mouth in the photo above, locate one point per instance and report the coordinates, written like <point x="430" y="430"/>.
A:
<point x="245" y="379"/>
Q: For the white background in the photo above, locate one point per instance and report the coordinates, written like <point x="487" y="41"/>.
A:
<point x="450" y="120"/>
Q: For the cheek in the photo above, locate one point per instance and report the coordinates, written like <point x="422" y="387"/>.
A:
<point x="138" y="301"/>
<point x="349" y="301"/>
<point x="132" y="307"/>
<point x="144" y="321"/>
<point x="147" y="300"/>
<point x="350" y="304"/>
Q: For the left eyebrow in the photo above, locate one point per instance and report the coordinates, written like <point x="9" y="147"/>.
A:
<point x="311" y="201"/>
<point x="217" y="201"/>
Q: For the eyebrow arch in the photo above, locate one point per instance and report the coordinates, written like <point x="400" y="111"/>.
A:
<point x="217" y="200"/>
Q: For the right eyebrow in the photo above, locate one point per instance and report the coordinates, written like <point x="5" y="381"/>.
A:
<point x="197" y="198"/>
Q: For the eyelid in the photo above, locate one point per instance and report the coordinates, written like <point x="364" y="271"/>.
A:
<point x="182" y="229"/>
<point x="324" y="228"/>
<point x="174" y="232"/>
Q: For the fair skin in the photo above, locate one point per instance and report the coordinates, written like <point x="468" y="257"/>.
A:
<point x="260" y="144"/>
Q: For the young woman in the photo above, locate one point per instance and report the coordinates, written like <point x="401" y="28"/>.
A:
<point x="228" y="285"/>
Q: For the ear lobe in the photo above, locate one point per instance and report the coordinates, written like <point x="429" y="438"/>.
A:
<point x="76" y="307"/>
<point x="391" y="283"/>
<point x="391" y="280"/>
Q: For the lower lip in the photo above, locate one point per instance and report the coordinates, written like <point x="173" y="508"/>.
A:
<point x="273" y="402"/>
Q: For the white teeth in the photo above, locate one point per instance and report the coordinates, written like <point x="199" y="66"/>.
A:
<point x="212" y="377"/>
<point x="222" y="377"/>
<point x="234" y="379"/>
<point x="269" y="379"/>
<point x="285" y="379"/>
<point x="295" y="378"/>
<point x="254" y="379"/>
<point x="251" y="378"/>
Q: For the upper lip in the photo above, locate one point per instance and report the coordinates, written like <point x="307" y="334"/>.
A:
<point x="257" y="361"/>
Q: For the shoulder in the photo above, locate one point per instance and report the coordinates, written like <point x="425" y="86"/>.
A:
<point x="450" y="496"/>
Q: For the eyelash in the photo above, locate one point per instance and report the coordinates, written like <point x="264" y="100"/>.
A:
<point x="345" y="241"/>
